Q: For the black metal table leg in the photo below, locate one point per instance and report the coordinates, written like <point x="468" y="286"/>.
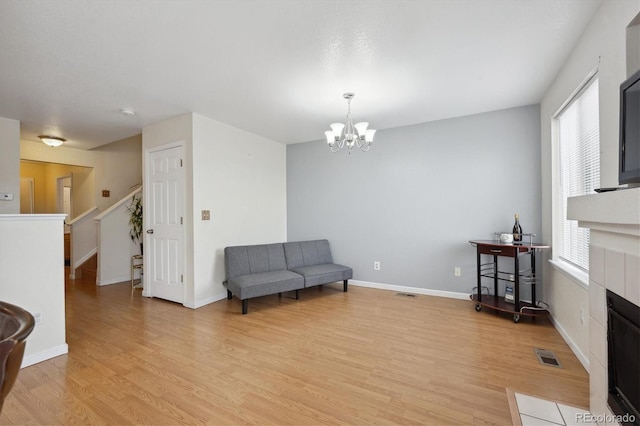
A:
<point x="516" y="285"/>
<point x="533" y="278"/>
<point x="495" y="275"/>
<point x="479" y="277"/>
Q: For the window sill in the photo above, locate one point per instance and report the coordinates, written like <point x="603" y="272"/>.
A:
<point x="575" y="274"/>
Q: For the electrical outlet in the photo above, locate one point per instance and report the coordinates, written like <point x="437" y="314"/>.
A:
<point x="376" y="265"/>
<point x="457" y="272"/>
<point x="37" y="316"/>
<point x="206" y="215"/>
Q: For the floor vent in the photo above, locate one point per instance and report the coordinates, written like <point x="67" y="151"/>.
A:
<point x="546" y="357"/>
<point x="406" y="294"/>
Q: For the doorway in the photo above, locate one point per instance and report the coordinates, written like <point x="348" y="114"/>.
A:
<point x="64" y="203"/>
<point x="26" y="195"/>
<point x="164" y="178"/>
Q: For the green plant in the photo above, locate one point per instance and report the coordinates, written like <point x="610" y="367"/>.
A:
<point x="135" y="218"/>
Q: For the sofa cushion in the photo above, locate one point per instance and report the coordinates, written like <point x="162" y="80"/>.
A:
<point x="264" y="283"/>
<point x="323" y="274"/>
<point x="307" y="253"/>
<point x="246" y="260"/>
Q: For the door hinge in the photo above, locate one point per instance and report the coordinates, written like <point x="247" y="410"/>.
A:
<point x="181" y="162"/>
<point x="181" y="220"/>
<point x="181" y="278"/>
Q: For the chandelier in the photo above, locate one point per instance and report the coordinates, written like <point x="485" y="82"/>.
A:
<point x="349" y="134"/>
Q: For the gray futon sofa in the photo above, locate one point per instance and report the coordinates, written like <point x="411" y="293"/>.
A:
<point x="261" y="270"/>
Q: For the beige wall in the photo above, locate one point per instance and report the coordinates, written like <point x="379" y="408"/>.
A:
<point x="45" y="179"/>
<point x="36" y="171"/>
<point x="116" y="167"/>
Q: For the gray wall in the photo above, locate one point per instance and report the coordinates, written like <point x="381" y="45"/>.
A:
<point x="419" y="195"/>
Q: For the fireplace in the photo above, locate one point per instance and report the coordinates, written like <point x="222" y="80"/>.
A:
<point x="623" y="337"/>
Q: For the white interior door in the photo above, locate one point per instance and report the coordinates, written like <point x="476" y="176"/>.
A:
<point x="164" y="248"/>
<point x="64" y="202"/>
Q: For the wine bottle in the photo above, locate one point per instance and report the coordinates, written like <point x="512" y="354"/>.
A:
<point x="517" y="229"/>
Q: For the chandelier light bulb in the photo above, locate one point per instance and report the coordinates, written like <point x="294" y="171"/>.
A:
<point x="369" y="135"/>
<point x="361" y="128"/>
<point x="337" y="129"/>
<point x="331" y="140"/>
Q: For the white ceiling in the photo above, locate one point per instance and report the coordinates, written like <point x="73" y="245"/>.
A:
<point x="275" y="68"/>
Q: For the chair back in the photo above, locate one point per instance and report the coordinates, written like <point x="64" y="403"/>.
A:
<point x="15" y="325"/>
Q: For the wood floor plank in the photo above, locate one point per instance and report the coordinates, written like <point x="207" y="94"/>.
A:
<point x="362" y="357"/>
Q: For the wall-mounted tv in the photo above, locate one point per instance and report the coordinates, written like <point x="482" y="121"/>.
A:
<point x="629" y="166"/>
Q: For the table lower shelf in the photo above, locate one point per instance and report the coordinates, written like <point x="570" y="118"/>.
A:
<point x="499" y="304"/>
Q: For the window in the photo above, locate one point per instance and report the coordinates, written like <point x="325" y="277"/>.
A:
<point x="578" y="133"/>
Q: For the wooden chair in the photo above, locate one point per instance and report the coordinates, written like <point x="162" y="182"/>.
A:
<point x="15" y="325"/>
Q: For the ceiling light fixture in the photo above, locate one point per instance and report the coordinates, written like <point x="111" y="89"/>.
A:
<point x="52" y="141"/>
<point x="128" y="112"/>
<point x="349" y="134"/>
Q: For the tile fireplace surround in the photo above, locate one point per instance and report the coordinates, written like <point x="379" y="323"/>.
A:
<point x="614" y="264"/>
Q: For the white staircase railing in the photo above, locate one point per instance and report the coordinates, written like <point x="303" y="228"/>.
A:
<point x="115" y="247"/>
<point x="83" y="239"/>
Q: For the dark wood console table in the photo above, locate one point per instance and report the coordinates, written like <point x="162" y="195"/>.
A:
<point x="490" y="270"/>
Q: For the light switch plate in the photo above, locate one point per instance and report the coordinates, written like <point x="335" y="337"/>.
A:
<point x="6" y="197"/>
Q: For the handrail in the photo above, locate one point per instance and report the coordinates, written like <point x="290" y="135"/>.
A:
<point x="118" y="204"/>
<point x="78" y="218"/>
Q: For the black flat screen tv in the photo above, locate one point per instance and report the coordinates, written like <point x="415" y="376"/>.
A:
<point x="629" y="166"/>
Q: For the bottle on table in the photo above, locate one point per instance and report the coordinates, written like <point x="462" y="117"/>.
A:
<point x="517" y="229"/>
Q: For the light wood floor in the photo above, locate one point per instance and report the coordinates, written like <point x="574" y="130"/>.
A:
<point x="363" y="357"/>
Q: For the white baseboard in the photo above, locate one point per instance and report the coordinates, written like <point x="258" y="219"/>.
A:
<point x="415" y="290"/>
<point x="584" y="360"/>
<point x="202" y="302"/>
<point x="44" y="355"/>
<point x="116" y="280"/>
<point x="84" y="258"/>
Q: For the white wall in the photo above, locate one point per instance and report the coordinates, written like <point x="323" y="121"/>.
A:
<point x="10" y="164"/>
<point x="176" y="130"/>
<point x="603" y="44"/>
<point x="120" y="169"/>
<point x="241" y="178"/>
<point x="27" y="240"/>
<point x="115" y="247"/>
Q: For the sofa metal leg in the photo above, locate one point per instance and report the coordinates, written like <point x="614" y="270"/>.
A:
<point x="245" y="306"/>
<point x="229" y="295"/>
<point x="345" y="285"/>
<point x="297" y="294"/>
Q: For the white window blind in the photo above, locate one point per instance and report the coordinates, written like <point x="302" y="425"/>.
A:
<point x="579" y="143"/>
